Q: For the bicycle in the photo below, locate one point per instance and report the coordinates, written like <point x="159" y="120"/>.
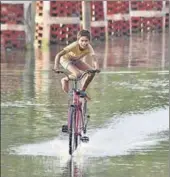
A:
<point x="77" y="113"/>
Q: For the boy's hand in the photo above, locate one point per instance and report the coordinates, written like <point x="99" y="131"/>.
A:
<point x="93" y="70"/>
<point x="57" y="71"/>
<point x="97" y="70"/>
<point x="56" y="68"/>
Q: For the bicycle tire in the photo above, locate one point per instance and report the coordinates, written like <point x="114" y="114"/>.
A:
<point x="85" y="120"/>
<point x="84" y="108"/>
<point x="78" y="127"/>
<point x="72" y="135"/>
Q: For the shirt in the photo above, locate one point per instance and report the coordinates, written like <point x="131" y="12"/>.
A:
<point x="74" y="52"/>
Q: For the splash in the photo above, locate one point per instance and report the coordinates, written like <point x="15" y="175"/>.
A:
<point x="120" y="137"/>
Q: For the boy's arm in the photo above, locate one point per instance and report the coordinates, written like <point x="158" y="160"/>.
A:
<point x="63" y="52"/>
<point x="95" y="62"/>
<point x="94" y="58"/>
<point x="57" y="59"/>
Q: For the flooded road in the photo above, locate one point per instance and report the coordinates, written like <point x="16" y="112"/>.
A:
<point x="129" y="124"/>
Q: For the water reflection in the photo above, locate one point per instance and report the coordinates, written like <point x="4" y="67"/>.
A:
<point x="147" y="50"/>
<point x="72" y="169"/>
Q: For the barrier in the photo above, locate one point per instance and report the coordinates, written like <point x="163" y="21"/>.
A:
<point x="13" y="39"/>
<point x="167" y="21"/>
<point x="122" y="18"/>
<point x="63" y="9"/>
<point x="158" y="23"/>
<point x="97" y="21"/>
<point x="98" y="33"/>
<point x="12" y="26"/>
<point x="38" y="34"/>
<point x="12" y="14"/>
<point x="62" y="20"/>
<point x="63" y="34"/>
<point x="118" y="18"/>
<point x="118" y="28"/>
<point x="97" y="11"/>
<point x="146" y="5"/>
<point x="39" y="8"/>
<point x="115" y="7"/>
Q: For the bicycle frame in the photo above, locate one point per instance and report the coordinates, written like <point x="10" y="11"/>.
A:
<point x="77" y="105"/>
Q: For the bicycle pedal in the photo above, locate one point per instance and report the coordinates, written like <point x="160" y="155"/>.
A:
<point x="64" y="128"/>
<point x="85" y="139"/>
<point x="84" y="131"/>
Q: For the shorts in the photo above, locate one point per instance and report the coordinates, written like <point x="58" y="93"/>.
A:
<point x="66" y="63"/>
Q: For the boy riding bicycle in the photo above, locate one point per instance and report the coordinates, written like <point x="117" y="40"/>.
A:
<point x="70" y="59"/>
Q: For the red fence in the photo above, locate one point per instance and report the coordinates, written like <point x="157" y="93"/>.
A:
<point x="63" y="33"/>
<point x="13" y="39"/>
<point x="116" y="27"/>
<point x="115" y="7"/>
<point x="12" y="14"/>
<point x="147" y="5"/>
<point x="118" y="16"/>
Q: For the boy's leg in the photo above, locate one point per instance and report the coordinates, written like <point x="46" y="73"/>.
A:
<point x="74" y="70"/>
<point x="65" y="84"/>
<point x="74" y="73"/>
<point x="84" y="66"/>
<point x="87" y="81"/>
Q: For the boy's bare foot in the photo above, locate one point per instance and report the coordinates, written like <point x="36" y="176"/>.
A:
<point x="64" y="84"/>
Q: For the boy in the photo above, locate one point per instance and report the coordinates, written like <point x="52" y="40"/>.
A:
<point x="70" y="58"/>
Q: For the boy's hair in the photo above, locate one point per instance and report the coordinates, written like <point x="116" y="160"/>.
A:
<point x="83" y="33"/>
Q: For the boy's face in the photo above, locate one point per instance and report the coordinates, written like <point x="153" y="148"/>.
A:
<point x="83" y="42"/>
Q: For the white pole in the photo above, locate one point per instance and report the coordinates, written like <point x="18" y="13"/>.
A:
<point x="169" y="34"/>
<point x="164" y="16"/>
<point x="130" y="39"/>
<point x="105" y="61"/>
<point x="130" y="52"/>
<point x="105" y="19"/>
<point x="163" y="34"/>
<point x="33" y="11"/>
<point x="86" y="15"/>
<point x="30" y="23"/>
<point x="27" y="25"/>
<point x="106" y="34"/>
<point x="130" y="18"/>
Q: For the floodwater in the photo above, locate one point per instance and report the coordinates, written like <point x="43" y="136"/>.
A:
<point x="128" y="128"/>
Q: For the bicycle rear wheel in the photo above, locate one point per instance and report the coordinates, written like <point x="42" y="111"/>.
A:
<point x="72" y="133"/>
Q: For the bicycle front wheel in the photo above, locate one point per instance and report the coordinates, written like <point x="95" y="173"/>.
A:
<point x="78" y="129"/>
<point x="72" y="133"/>
<point x="85" y="116"/>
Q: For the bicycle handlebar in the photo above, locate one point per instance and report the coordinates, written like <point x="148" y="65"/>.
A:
<point x="77" y="79"/>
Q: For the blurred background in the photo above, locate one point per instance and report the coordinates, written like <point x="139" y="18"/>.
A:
<point x="57" y="22"/>
<point x="129" y="125"/>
